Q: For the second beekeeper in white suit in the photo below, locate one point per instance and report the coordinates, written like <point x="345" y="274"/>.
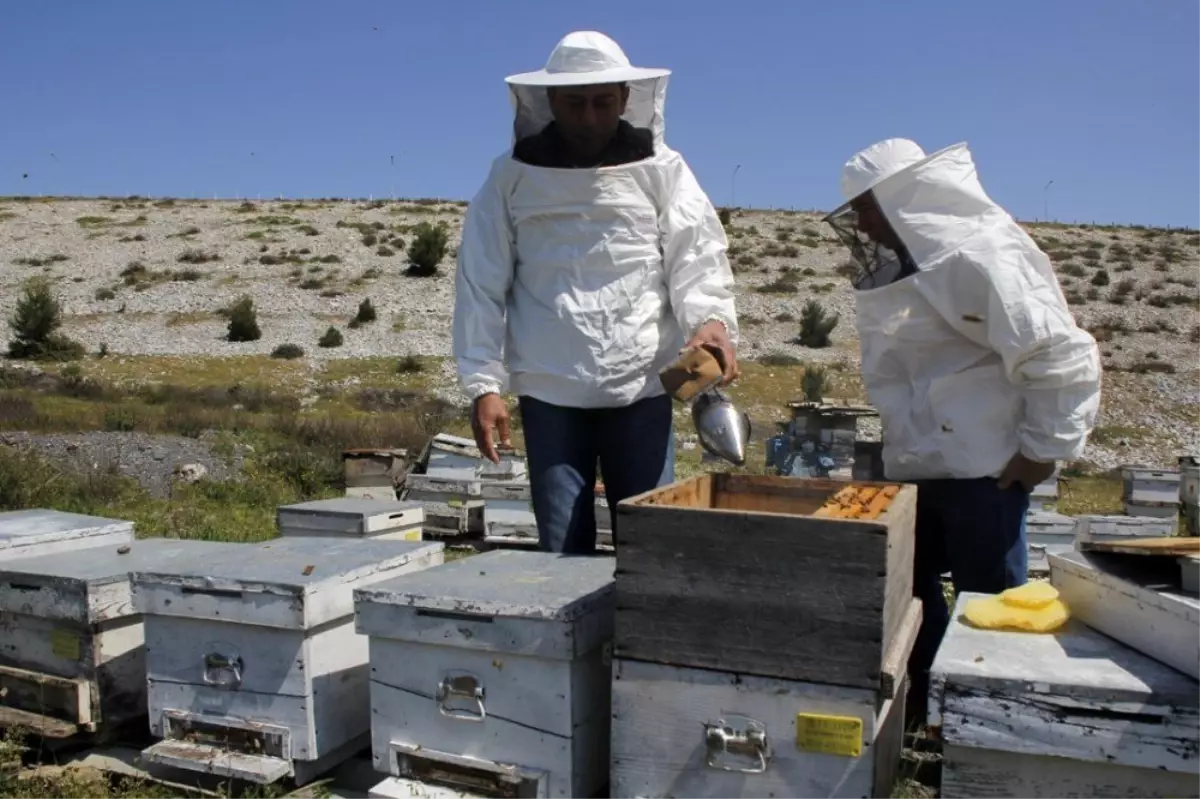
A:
<point x="589" y="258"/>
<point x="982" y="379"/>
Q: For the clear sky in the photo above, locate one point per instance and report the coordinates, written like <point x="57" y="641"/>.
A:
<point x="316" y="97"/>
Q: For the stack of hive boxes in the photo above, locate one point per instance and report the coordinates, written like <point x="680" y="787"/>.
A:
<point x="788" y="602"/>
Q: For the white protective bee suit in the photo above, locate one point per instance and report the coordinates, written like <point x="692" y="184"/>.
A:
<point x="575" y="286"/>
<point x="976" y="356"/>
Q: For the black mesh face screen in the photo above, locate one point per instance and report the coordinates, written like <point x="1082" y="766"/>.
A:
<point x="876" y="264"/>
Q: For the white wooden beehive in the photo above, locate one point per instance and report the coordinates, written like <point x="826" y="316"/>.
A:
<point x="352" y="517"/>
<point x="1113" y="527"/>
<point x="72" y="661"/>
<point x="493" y="670"/>
<point x="1073" y="713"/>
<point x="703" y="733"/>
<point x="1126" y="597"/>
<point x="1047" y="531"/>
<point x="40" y="531"/>
<point x="457" y="457"/>
<point x="253" y="667"/>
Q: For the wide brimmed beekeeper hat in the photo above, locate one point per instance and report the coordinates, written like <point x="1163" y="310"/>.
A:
<point x="585" y="58"/>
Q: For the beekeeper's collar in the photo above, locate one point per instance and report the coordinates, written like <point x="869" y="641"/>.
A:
<point x="585" y="58"/>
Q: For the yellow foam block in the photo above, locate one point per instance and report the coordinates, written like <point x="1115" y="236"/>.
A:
<point x="1031" y="595"/>
<point x="993" y="613"/>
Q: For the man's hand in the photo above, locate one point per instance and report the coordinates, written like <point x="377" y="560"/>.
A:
<point x="489" y="413"/>
<point x="1028" y="473"/>
<point x="715" y="338"/>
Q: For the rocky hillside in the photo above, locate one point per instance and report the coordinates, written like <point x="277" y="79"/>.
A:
<point x="141" y="277"/>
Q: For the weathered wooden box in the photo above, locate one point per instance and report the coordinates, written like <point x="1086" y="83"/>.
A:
<point x="492" y="673"/>
<point x="702" y="733"/>
<point x="457" y="457"/>
<point x="355" y="518"/>
<point x="1110" y="527"/>
<point x="71" y="656"/>
<point x="1137" y="600"/>
<point x="1073" y="713"/>
<point x="449" y="511"/>
<point x="40" y="531"/>
<point x="1189" y="492"/>
<point x="736" y="573"/>
<point x="253" y="667"/>
<point x="1045" y="532"/>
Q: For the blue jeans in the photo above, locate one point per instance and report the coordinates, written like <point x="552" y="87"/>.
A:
<point x="635" y="447"/>
<point x="976" y="532"/>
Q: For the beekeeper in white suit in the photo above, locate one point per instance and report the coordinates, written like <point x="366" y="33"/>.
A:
<point x="589" y="258"/>
<point x="982" y="379"/>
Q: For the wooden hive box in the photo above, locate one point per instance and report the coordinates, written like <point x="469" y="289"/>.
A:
<point x="492" y="673"/>
<point x="1137" y="599"/>
<point x="40" y="531"/>
<point x="750" y="575"/>
<point x="352" y="517"/>
<point x="72" y="662"/>
<point x="253" y="668"/>
<point x="1073" y="713"/>
<point x="700" y="733"/>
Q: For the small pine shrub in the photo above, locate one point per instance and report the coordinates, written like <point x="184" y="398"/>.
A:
<point x="35" y="323"/>
<point x="816" y="325"/>
<point x="814" y="384"/>
<point x="331" y="338"/>
<point x="1100" y="278"/>
<point x="726" y="216"/>
<point x="427" y="249"/>
<point x="288" y="351"/>
<point x="409" y="365"/>
<point x="366" y="312"/>
<point x="243" y="321"/>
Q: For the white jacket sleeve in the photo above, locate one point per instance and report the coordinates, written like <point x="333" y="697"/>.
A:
<point x="1005" y="302"/>
<point x="481" y="284"/>
<point x="699" y="279"/>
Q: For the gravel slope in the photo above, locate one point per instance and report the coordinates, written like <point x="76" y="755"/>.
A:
<point x="306" y="266"/>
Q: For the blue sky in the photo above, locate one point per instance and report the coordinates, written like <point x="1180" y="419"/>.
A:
<point x="309" y="98"/>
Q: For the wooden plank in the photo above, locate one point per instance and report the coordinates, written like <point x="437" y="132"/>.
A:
<point x="970" y="773"/>
<point x="895" y="660"/>
<point x="1170" y="545"/>
<point x="212" y="760"/>
<point x="794" y="597"/>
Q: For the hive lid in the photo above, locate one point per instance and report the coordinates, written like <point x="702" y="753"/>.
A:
<point x="40" y="525"/>
<point x="503" y="582"/>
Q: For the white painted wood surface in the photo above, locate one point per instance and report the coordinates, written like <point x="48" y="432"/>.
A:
<point x="1075" y="694"/>
<point x="265" y="643"/>
<point x="348" y="516"/>
<point x="70" y="615"/>
<point x="40" y="531"/>
<point x="398" y="788"/>
<point x="1107" y="527"/>
<point x="1046" y="532"/>
<point x="661" y="744"/>
<point x="298" y="583"/>
<point x="501" y="658"/>
<point x="1163" y="483"/>
<point x="1113" y="595"/>
<point x="969" y="773"/>
<point x="454" y="456"/>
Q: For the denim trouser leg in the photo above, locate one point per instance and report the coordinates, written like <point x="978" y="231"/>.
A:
<point x="975" y="531"/>
<point x="634" y="446"/>
<point x="560" y="448"/>
<point x="637" y="451"/>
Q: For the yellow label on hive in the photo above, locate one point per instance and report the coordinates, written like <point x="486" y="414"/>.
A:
<point x="64" y="644"/>
<point x="830" y="735"/>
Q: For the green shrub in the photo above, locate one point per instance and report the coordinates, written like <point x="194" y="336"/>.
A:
<point x="35" y="323"/>
<point x="288" y="352"/>
<point x="331" y="338"/>
<point x="243" y="321"/>
<point x="816" y="324"/>
<point x="428" y="248"/>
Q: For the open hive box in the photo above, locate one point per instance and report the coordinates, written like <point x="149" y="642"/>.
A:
<point x="805" y="580"/>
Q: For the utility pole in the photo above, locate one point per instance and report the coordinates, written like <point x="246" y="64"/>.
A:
<point x="733" y="187"/>
<point x="1046" y="202"/>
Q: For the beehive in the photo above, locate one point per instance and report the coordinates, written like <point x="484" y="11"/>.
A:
<point x="797" y="579"/>
<point x="40" y="531"/>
